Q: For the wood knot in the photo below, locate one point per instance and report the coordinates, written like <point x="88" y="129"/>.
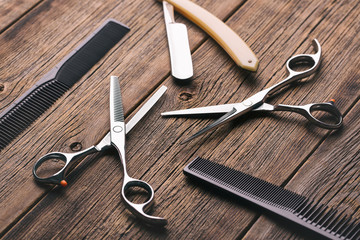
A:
<point x="184" y="96"/>
<point x="76" y="146"/>
<point x="2" y="87"/>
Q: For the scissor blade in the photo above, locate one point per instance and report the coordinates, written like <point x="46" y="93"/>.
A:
<point x="211" y="126"/>
<point x="117" y="122"/>
<point x="145" y="108"/>
<point x="106" y="141"/>
<point x="116" y="107"/>
<point x="237" y="110"/>
<point x="209" y="110"/>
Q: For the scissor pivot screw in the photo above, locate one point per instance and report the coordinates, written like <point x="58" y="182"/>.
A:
<point x="247" y="103"/>
<point x="118" y="129"/>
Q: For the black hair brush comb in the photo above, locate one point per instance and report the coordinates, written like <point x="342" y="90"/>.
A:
<point x="26" y="109"/>
<point x="289" y="205"/>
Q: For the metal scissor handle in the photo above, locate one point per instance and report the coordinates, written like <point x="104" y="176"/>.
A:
<point x="138" y="209"/>
<point x="332" y="119"/>
<point x="312" y="61"/>
<point x="67" y="158"/>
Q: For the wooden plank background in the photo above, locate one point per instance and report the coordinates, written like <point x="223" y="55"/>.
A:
<point x="281" y="148"/>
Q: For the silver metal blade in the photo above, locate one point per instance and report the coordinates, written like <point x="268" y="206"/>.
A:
<point x="217" y="109"/>
<point x="117" y="122"/>
<point x="168" y="13"/>
<point x="238" y="109"/>
<point x="145" y="108"/>
<point x="116" y="107"/>
<point x="106" y="141"/>
<point x="180" y="54"/>
<point x="212" y="125"/>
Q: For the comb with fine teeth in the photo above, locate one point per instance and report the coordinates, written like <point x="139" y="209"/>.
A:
<point x="315" y="217"/>
<point x="26" y="109"/>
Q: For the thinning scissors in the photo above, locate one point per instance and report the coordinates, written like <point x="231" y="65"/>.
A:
<point x="115" y="138"/>
<point x="257" y="102"/>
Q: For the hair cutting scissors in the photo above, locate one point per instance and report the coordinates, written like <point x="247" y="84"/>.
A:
<point x="115" y="138"/>
<point x="257" y="102"/>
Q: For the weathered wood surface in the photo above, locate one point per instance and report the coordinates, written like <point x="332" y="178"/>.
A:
<point x="12" y="10"/>
<point x="281" y="148"/>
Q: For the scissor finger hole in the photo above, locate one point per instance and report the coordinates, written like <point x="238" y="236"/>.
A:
<point x="325" y="116"/>
<point x="137" y="193"/>
<point x="301" y="63"/>
<point x="49" y="167"/>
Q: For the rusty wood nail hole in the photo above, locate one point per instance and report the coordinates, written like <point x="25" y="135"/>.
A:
<point x="184" y="96"/>
<point x="76" y="146"/>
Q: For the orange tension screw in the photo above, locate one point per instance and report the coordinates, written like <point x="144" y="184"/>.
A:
<point x="63" y="183"/>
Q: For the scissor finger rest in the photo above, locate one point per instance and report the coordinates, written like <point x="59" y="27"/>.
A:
<point x="55" y="162"/>
<point x="138" y="208"/>
<point x="324" y="115"/>
<point x="59" y="163"/>
<point x="310" y="62"/>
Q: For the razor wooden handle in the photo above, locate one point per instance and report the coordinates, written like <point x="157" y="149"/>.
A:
<point x="238" y="50"/>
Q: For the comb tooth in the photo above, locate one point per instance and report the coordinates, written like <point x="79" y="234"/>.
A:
<point x="70" y="69"/>
<point x="273" y="195"/>
<point x="354" y="225"/>
<point x="294" y="201"/>
<point x="29" y="115"/>
<point x="26" y="106"/>
<point x="249" y="185"/>
<point x="349" y="229"/>
<point x="26" y="115"/>
<point x="314" y="213"/>
<point x="300" y="207"/>
<point x="28" y="110"/>
<point x="12" y="120"/>
<point x="283" y="200"/>
<point x="310" y="210"/>
<point x="341" y="228"/>
<point x="338" y="223"/>
<point x="7" y="129"/>
<point x="3" y="141"/>
<point x="329" y="219"/>
<point x="320" y="215"/>
<point x="20" y="120"/>
<point x="355" y="232"/>
<point x="332" y="224"/>
<point x="36" y="105"/>
<point x="47" y="96"/>
<point x="324" y="219"/>
<point x="305" y="209"/>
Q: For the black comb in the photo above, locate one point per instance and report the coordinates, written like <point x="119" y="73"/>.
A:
<point x="26" y="109"/>
<point x="289" y="205"/>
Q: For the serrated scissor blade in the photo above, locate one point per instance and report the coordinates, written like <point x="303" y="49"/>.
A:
<point x="116" y="107"/>
<point x="117" y="123"/>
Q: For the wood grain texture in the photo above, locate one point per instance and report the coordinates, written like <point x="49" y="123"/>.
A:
<point x="281" y="148"/>
<point x="330" y="176"/>
<point x="11" y="11"/>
